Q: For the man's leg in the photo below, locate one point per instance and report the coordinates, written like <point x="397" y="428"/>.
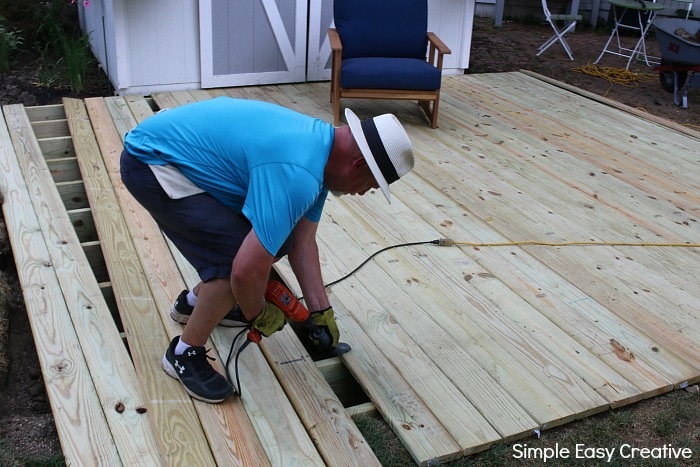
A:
<point x="214" y="301"/>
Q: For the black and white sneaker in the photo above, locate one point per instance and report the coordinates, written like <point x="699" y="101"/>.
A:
<point x="181" y="312"/>
<point x="193" y="370"/>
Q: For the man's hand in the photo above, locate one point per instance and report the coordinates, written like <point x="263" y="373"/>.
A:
<point x="270" y="320"/>
<point x="325" y="319"/>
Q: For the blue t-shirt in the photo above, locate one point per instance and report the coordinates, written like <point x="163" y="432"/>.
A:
<point x="260" y="159"/>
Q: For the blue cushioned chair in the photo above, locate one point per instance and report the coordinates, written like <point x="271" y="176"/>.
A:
<point x="379" y="52"/>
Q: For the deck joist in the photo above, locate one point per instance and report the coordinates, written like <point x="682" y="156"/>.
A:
<point x="457" y="347"/>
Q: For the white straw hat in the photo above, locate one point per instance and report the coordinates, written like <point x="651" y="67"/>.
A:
<point x="385" y="145"/>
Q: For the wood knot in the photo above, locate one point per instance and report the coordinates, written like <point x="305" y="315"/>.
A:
<point x="621" y="352"/>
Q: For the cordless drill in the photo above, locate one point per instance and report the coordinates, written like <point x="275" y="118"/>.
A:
<point x="277" y="294"/>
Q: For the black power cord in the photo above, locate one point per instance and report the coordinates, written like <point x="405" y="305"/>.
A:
<point x="390" y="247"/>
<point x="237" y="385"/>
<point x="426" y="242"/>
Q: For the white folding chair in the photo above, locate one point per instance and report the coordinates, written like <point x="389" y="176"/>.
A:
<point x="569" y="22"/>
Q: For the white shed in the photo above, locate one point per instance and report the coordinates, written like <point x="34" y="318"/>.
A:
<point x="147" y="46"/>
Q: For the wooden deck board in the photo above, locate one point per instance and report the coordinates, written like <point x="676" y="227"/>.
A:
<point x="49" y="316"/>
<point x="483" y="193"/>
<point x="458" y="347"/>
<point x="173" y="415"/>
<point x="440" y="305"/>
<point x="125" y="436"/>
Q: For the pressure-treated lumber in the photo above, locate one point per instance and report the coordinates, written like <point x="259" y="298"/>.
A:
<point x="173" y="417"/>
<point x="571" y="226"/>
<point x="49" y="128"/>
<point x="548" y="397"/>
<point x="329" y="426"/>
<point x="98" y="414"/>
<point x="427" y="410"/>
<point x="563" y="306"/>
<point x="45" y="112"/>
<point x="50" y="320"/>
<point x="64" y="169"/>
<point x="454" y="224"/>
<point x="58" y="147"/>
<point x="474" y="137"/>
<point x="228" y="432"/>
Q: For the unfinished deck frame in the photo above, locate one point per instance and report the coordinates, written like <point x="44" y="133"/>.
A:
<point x="457" y="347"/>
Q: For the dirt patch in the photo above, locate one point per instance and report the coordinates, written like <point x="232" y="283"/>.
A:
<point x="26" y="423"/>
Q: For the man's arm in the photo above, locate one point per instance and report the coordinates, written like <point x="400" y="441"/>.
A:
<point x="306" y="265"/>
<point x="249" y="276"/>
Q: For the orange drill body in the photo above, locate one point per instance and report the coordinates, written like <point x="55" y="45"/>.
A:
<point x="282" y="298"/>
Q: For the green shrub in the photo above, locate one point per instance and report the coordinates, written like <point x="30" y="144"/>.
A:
<point x="65" y="52"/>
<point x="10" y="41"/>
<point x="50" y="70"/>
<point x="77" y="55"/>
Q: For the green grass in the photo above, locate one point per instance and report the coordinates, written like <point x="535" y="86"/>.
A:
<point x="385" y="444"/>
<point x="671" y="420"/>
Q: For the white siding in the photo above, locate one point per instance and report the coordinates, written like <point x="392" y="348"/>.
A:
<point x="452" y="21"/>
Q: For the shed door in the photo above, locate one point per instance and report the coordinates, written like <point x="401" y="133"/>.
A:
<point x="247" y="42"/>
<point x="319" y="59"/>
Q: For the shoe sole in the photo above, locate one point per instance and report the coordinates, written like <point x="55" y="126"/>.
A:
<point x="183" y="319"/>
<point x="170" y="371"/>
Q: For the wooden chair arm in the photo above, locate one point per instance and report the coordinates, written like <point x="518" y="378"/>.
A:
<point x="334" y="37"/>
<point x="441" y="47"/>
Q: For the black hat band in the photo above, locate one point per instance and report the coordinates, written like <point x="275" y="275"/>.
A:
<point x="378" y="151"/>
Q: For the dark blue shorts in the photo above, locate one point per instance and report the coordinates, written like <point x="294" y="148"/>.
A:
<point x="207" y="232"/>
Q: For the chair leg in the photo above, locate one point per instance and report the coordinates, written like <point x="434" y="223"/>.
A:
<point x="433" y="123"/>
<point x="335" y="100"/>
<point x="568" y="28"/>
<point x="558" y="36"/>
<point x="431" y="113"/>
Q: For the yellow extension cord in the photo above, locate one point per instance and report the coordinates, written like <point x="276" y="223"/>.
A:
<point x="613" y="75"/>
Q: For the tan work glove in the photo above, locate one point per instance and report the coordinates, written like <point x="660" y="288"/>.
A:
<point x="325" y="320"/>
<point x="270" y="320"/>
